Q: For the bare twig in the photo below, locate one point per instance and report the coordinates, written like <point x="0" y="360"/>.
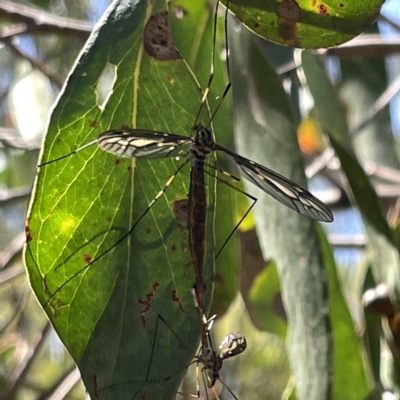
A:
<point x="18" y="308"/>
<point x="12" y="30"/>
<point x="353" y="240"/>
<point x="11" y="195"/>
<point x="382" y="172"/>
<point x="8" y="138"/>
<point x="13" y="248"/>
<point x="320" y="162"/>
<point x="40" y="21"/>
<point x="22" y="370"/>
<point x="366" y="45"/>
<point x="41" y="66"/>
<point x="382" y="101"/>
<point x="63" y="385"/>
<point x="11" y="272"/>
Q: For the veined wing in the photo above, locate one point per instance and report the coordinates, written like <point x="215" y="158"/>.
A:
<point x="233" y="344"/>
<point x="282" y="189"/>
<point x="136" y="143"/>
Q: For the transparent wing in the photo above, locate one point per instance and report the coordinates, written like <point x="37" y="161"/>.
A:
<point x="282" y="189"/>
<point x="136" y="143"/>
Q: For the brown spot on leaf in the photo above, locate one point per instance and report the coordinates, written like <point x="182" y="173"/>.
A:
<point x="145" y="302"/>
<point x="289" y="10"/>
<point x="323" y="9"/>
<point x="28" y="234"/>
<point x="290" y="14"/>
<point x="87" y="258"/>
<point x="288" y="32"/>
<point x="93" y="124"/>
<point x="96" y="394"/>
<point x="176" y="298"/>
<point x="158" y="40"/>
<point x="180" y="209"/>
<point x="55" y="305"/>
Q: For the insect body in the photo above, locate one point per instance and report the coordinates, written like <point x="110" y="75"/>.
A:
<point x="233" y="344"/>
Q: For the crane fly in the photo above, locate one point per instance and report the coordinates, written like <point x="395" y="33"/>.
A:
<point x="233" y="344"/>
<point x="148" y="144"/>
<point x="211" y="360"/>
<point x="140" y="143"/>
<point x="137" y="143"/>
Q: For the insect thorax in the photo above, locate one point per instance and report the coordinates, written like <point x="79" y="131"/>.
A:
<point x="211" y="360"/>
<point x="203" y="142"/>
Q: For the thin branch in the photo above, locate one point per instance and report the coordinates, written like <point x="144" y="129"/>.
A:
<point x="21" y="371"/>
<point x="18" y="308"/>
<point x="14" y="194"/>
<point x="366" y="45"/>
<point x="12" y="272"/>
<point x="9" y="138"/>
<point x="354" y="241"/>
<point x="13" y="249"/>
<point x="12" y="30"/>
<point x="63" y="385"/>
<point x="382" y="101"/>
<point x="39" y="21"/>
<point x="320" y="162"/>
<point x="382" y="172"/>
<point x="41" y="66"/>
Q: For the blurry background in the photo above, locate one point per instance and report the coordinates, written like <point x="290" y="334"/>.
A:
<point x="34" y="61"/>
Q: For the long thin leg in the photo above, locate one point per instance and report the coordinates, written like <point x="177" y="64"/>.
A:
<point x="124" y="236"/>
<point x="228" y="86"/>
<point x="252" y="198"/>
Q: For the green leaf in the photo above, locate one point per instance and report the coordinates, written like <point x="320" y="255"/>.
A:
<point x="350" y="381"/>
<point x="266" y="132"/>
<point x="373" y="329"/>
<point x="107" y="314"/>
<point x="265" y="296"/>
<point x="304" y="23"/>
